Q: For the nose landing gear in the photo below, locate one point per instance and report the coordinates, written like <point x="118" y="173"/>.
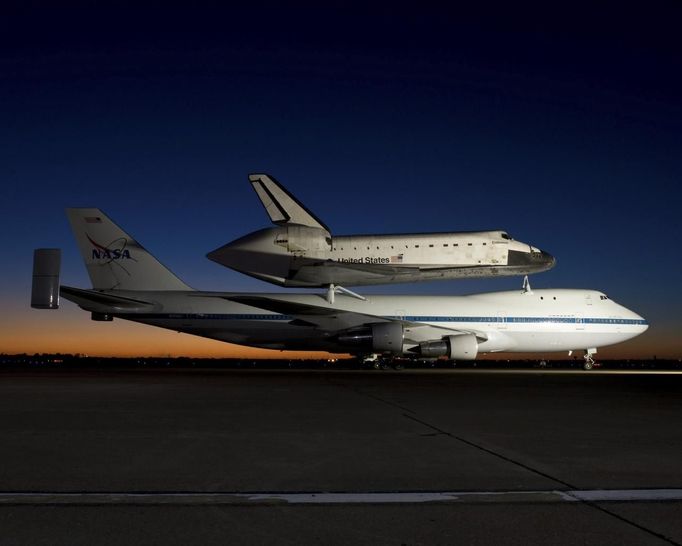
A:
<point x="589" y="361"/>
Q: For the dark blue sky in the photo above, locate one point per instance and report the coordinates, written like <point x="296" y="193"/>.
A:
<point x="564" y="128"/>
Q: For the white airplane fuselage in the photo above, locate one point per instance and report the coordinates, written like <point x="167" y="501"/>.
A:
<point x="512" y="321"/>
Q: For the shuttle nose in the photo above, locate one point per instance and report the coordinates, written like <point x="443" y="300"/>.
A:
<point x="534" y="261"/>
<point x="548" y="259"/>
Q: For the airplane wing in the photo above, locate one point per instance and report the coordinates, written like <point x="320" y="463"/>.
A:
<point x="281" y="206"/>
<point x="335" y="320"/>
<point x="326" y="318"/>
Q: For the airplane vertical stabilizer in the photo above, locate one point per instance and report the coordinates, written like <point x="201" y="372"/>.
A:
<point x="114" y="260"/>
<point x="281" y="206"/>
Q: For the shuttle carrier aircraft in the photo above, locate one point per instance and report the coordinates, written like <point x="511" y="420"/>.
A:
<point x="129" y="283"/>
<point x="302" y="252"/>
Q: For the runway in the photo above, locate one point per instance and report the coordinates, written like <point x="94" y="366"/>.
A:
<point x="339" y="457"/>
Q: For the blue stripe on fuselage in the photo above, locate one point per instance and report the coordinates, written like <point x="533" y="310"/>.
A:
<point x="410" y="318"/>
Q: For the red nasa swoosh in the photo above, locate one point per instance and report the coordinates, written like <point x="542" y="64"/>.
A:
<point x="96" y="244"/>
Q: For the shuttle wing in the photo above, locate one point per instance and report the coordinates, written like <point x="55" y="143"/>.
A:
<point x="323" y="272"/>
<point x="281" y="206"/>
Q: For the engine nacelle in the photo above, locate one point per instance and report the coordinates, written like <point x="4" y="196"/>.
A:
<point x="381" y="337"/>
<point x="459" y="347"/>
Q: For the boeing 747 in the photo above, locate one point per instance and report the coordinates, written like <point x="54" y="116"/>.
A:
<point x="130" y="284"/>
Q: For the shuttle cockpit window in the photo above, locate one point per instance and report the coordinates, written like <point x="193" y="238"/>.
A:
<point x="506" y="236"/>
<point x="603" y="297"/>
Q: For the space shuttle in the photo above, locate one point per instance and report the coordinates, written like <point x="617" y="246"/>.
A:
<point x="300" y="250"/>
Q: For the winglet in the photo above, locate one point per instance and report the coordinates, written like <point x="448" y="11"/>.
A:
<point x="281" y="206"/>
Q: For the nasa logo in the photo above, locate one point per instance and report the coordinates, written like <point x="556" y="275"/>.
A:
<point x="101" y="252"/>
<point x="115" y="254"/>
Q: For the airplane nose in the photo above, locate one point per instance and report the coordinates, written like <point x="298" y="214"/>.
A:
<point x="642" y="322"/>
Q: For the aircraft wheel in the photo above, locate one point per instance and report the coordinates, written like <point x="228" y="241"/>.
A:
<point x="588" y="366"/>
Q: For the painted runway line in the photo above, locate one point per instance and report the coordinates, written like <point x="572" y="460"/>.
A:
<point x="302" y="498"/>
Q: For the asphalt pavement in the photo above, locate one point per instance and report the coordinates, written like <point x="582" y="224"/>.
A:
<point x="340" y="457"/>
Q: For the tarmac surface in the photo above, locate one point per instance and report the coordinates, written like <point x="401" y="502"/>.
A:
<point x="340" y="457"/>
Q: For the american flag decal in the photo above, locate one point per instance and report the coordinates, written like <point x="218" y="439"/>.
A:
<point x="93" y="220"/>
<point x="397" y="259"/>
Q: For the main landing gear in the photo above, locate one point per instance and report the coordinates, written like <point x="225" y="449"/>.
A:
<point x="379" y="362"/>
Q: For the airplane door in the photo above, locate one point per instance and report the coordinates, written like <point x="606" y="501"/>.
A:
<point x="502" y="322"/>
<point x="579" y="321"/>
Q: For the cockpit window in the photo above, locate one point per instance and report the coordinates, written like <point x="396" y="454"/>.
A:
<point x="506" y="236"/>
<point x="603" y="297"/>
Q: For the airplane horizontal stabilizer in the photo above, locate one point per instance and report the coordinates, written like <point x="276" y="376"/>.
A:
<point x="115" y="302"/>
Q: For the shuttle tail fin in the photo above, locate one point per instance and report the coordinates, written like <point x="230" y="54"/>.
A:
<point x="281" y="206"/>
<point x="114" y="260"/>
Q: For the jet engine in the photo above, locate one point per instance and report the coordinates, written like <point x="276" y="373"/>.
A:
<point x="381" y="337"/>
<point x="459" y="347"/>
